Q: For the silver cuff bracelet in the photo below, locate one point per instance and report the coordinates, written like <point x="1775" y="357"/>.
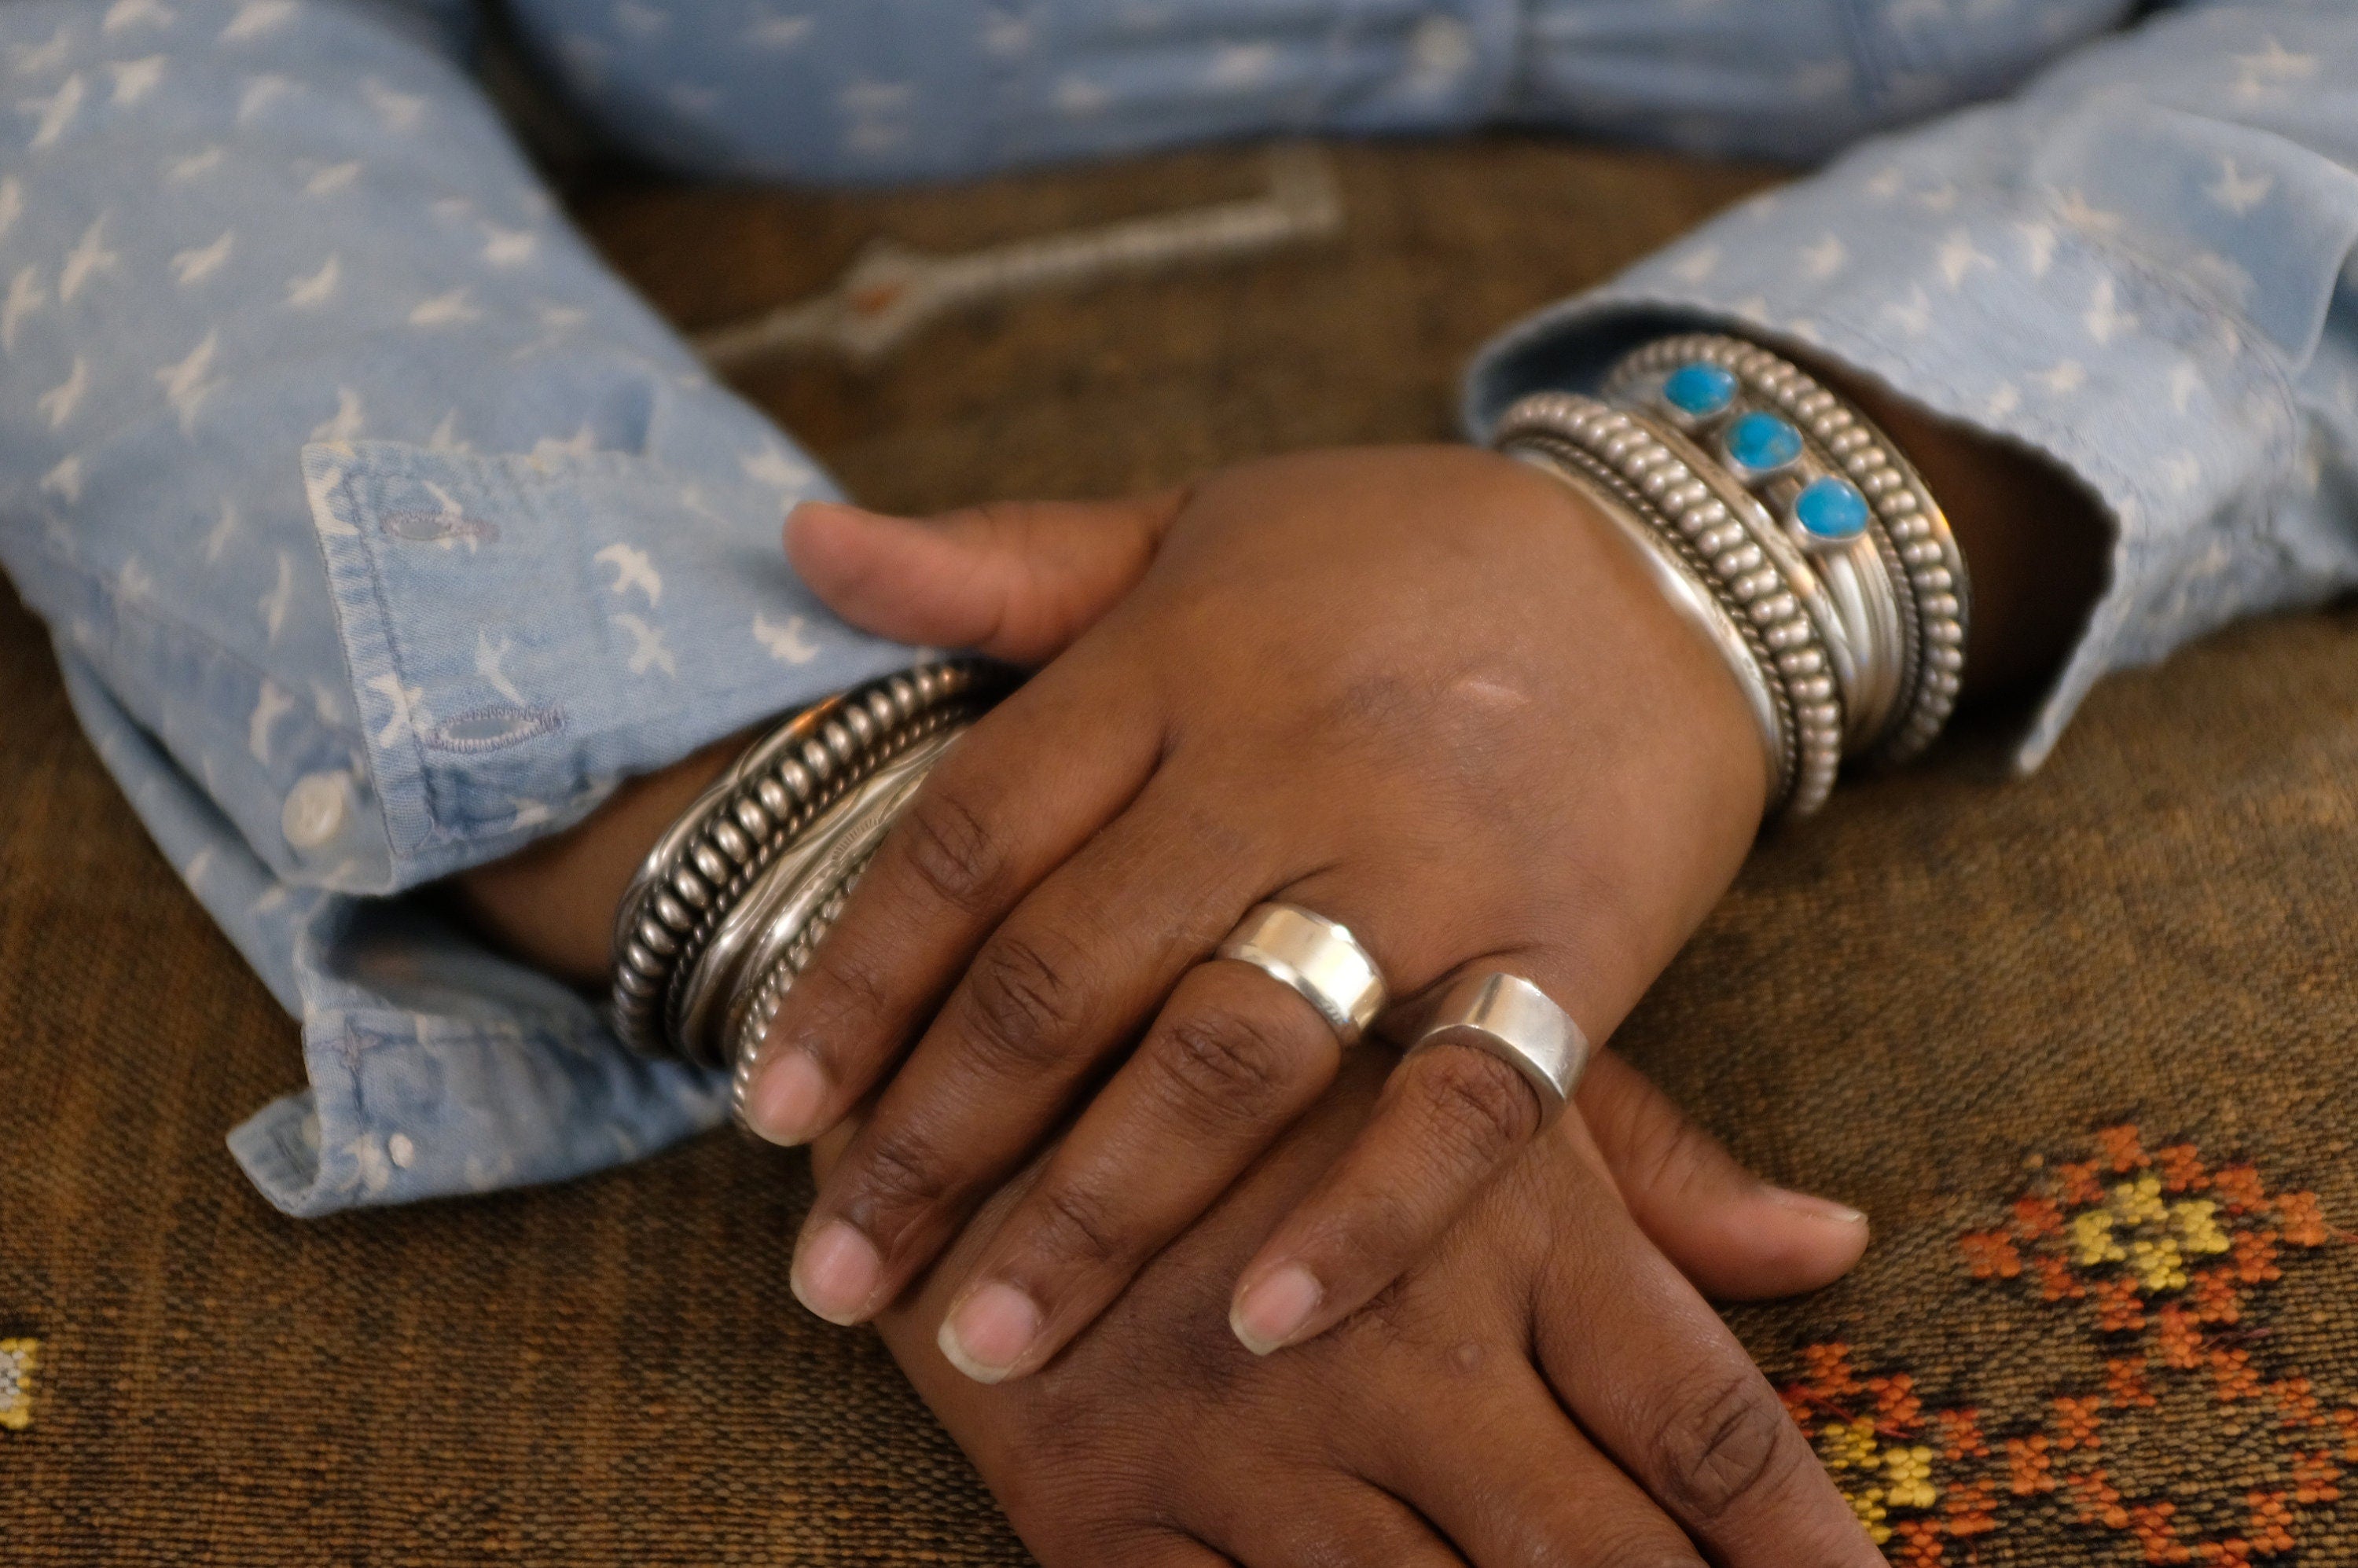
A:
<point x="767" y="851"/>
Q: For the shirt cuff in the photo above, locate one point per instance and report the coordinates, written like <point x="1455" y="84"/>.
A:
<point x="523" y="631"/>
<point x="2022" y="314"/>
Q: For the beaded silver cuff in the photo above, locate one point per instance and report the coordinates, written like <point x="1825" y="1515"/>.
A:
<point x="678" y="906"/>
<point x="1901" y="527"/>
<point x="1730" y="540"/>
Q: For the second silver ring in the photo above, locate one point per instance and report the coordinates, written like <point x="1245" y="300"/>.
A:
<point x="1317" y="958"/>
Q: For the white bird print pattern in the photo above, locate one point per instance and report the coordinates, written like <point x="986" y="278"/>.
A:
<point x="788" y="643"/>
<point x="198" y="263"/>
<point x="648" y="651"/>
<point x="634" y="569"/>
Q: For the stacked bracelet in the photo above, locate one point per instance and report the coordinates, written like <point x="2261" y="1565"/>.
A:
<point x="681" y="935"/>
<point x="1770" y="507"/>
<point x="1848" y="460"/>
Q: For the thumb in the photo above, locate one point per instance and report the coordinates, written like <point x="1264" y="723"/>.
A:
<point x="1735" y="1236"/>
<point x="1014" y="580"/>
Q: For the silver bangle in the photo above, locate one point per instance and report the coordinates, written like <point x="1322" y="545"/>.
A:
<point x="1906" y="535"/>
<point x="702" y="867"/>
<point x="1686" y="581"/>
<point x="1728" y="536"/>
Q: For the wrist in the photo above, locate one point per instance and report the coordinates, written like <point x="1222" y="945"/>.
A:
<point x="552" y="905"/>
<point x="2033" y="539"/>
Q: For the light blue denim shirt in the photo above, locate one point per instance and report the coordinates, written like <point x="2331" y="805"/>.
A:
<point x="381" y="530"/>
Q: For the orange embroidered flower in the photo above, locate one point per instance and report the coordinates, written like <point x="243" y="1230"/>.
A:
<point x="2181" y="1169"/>
<point x="2182" y="1341"/>
<point x="2150" y="1523"/>
<point x="2124" y="1148"/>
<point x="2119" y="1308"/>
<point x="2075" y="1422"/>
<point x="1961" y="1435"/>
<point x="2239" y="1188"/>
<point x="2098" y="1501"/>
<point x="2271" y="1521"/>
<point x="1990" y="1255"/>
<point x="2057" y="1282"/>
<point x="2029" y="1470"/>
<point x="2037" y="1217"/>
<point x="2080" y="1184"/>
<point x="2316" y="1478"/>
<point x="2216" y="1297"/>
<point x="1972" y="1509"/>
<point x="2255" y="1257"/>
<point x="1920" y="1543"/>
<point x="2124" y="1383"/>
<point x="2304" y="1222"/>
<point x="2232" y="1371"/>
<point x="1831" y="1377"/>
<point x="2294" y="1401"/>
<point x="1896" y="1402"/>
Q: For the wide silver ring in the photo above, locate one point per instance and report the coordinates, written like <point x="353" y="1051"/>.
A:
<point x="1317" y="958"/>
<point x="1516" y="1021"/>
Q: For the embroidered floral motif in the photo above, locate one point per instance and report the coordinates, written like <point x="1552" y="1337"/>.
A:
<point x="17" y="1359"/>
<point x="2162" y="1261"/>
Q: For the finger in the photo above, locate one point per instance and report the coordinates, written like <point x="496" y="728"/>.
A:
<point x="1338" y="1524"/>
<point x="1010" y="801"/>
<point x="1735" y="1235"/>
<point x="1073" y="973"/>
<point x="1450" y="1116"/>
<point x="1014" y="580"/>
<point x="1661" y="1385"/>
<point x="1530" y="1490"/>
<point x="1229" y="1063"/>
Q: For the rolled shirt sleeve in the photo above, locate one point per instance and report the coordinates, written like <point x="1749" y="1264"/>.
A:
<point x="379" y="530"/>
<point x="2139" y="266"/>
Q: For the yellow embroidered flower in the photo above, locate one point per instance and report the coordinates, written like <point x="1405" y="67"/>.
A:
<point x="1868" y="1507"/>
<point x="2195" y="1223"/>
<point x="2139" y="1202"/>
<point x="1907" y="1474"/>
<point x="2158" y="1265"/>
<point x="1848" y="1444"/>
<point x="18" y="1358"/>
<point x="2092" y="1238"/>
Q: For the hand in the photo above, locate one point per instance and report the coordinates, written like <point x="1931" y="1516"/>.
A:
<point x="1423" y="691"/>
<point x="1431" y="1430"/>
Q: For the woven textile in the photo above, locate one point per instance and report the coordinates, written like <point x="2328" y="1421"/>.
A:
<point x="2082" y="1046"/>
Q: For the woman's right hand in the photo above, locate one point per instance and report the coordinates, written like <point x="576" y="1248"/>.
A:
<point x="1542" y="1387"/>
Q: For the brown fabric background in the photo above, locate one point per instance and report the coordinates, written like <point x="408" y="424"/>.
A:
<point x="1925" y="1003"/>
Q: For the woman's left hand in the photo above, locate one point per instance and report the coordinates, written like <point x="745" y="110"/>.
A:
<point x="1426" y="692"/>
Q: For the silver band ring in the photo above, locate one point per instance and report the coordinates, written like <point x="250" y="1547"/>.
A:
<point x="1315" y="957"/>
<point x="1516" y="1021"/>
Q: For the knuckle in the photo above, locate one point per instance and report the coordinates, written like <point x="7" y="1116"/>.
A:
<point x="1725" y="1444"/>
<point x="901" y="1174"/>
<point x="953" y="850"/>
<point x="1022" y="1002"/>
<point x="848" y="989"/>
<point x="1219" y="1065"/>
<point x="1481" y="1106"/>
<point x="1077" y="1225"/>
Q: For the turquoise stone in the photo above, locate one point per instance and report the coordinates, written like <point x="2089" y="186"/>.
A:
<point x="1760" y="442"/>
<point x="1831" y="510"/>
<point x="1699" y="388"/>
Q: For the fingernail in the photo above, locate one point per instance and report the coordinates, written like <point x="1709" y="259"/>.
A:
<point x="836" y="1273"/>
<point x="1815" y="1207"/>
<point x="989" y="1332"/>
<point x="789" y="1096"/>
<point x="1273" y="1308"/>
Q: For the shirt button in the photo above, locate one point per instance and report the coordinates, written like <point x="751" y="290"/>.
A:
<point x="314" y="809"/>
